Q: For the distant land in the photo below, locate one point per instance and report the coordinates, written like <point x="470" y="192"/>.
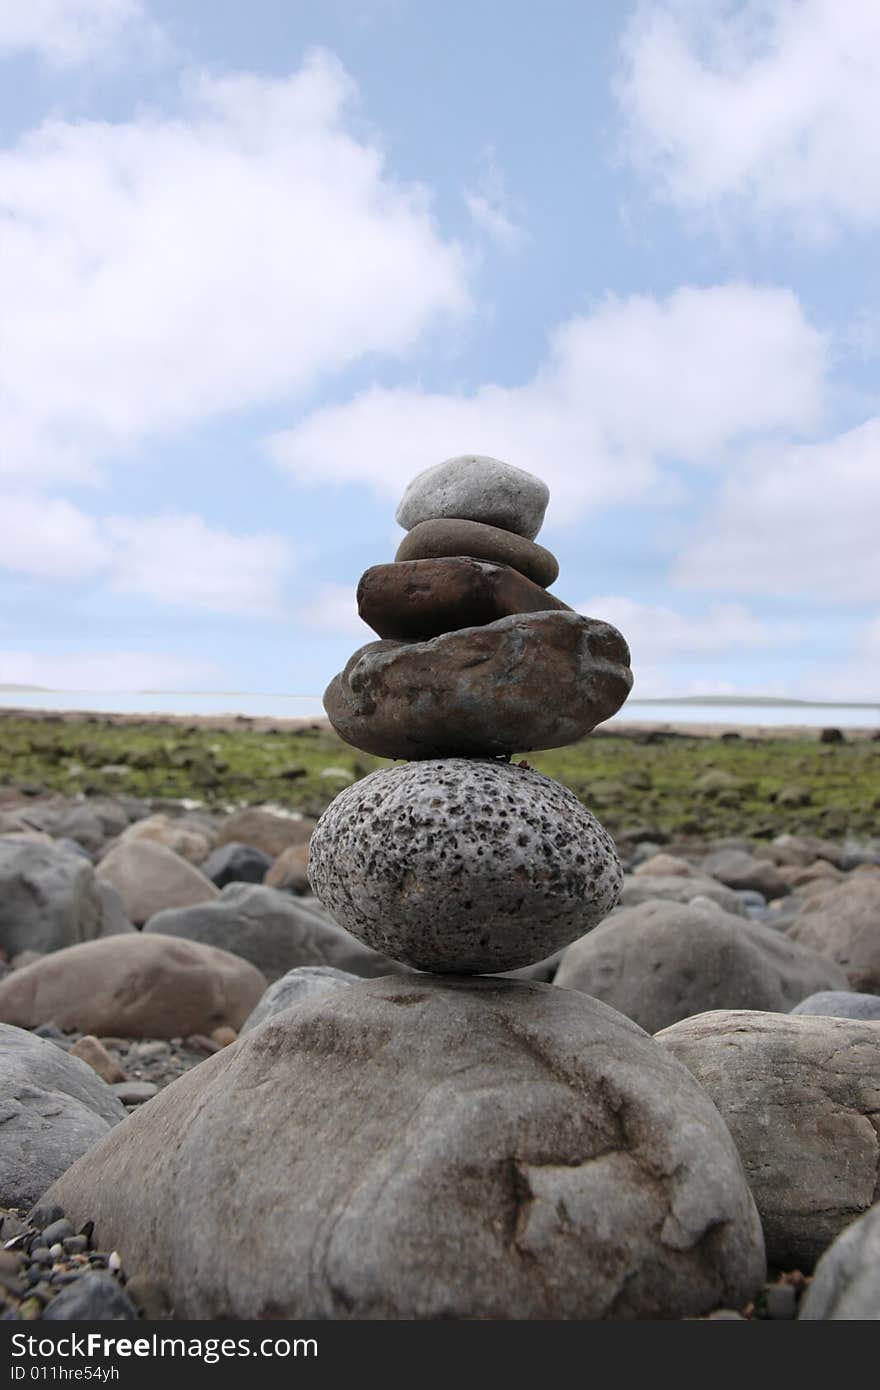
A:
<point x="753" y="700"/>
<point x="27" y="689"/>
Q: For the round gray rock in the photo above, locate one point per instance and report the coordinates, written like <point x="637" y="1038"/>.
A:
<point x="271" y="929"/>
<point x="846" y="1285"/>
<point x="835" y="1003"/>
<point x="48" y="898"/>
<point x="662" y="961"/>
<point x="476" y="488"/>
<point x="463" y="865"/>
<point x="801" y="1097"/>
<point x="53" y="1107"/>
<point x="477" y="1149"/>
<point x="305" y="982"/>
<point x="845" y="925"/>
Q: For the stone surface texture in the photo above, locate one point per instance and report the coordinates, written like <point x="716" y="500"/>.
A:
<point x="48" y="898"/>
<point x="148" y="877"/>
<point x="476" y="488"/>
<point x="431" y="540"/>
<point x="413" y="600"/>
<point x="484" y="690"/>
<point x="845" y="925"/>
<point x="424" y="1148"/>
<point x="801" y="1097"/>
<point x="466" y="865"/>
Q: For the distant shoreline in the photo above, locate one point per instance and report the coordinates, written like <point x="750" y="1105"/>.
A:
<point x="625" y="728"/>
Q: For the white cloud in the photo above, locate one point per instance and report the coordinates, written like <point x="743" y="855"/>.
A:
<point x="182" y="560"/>
<point x="159" y="271"/>
<point x="656" y="633"/>
<point x="68" y="32"/>
<point x="799" y="520"/>
<point x="491" y="208"/>
<point x="172" y="559"/>
<point x="112" y="670"/>
<point x="48" y="538"/>
<point x="769" y="104"/>
<point x="637" y="381"/>
<point x="333" y="611"/>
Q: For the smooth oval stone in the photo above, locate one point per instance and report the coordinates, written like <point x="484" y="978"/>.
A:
<point x="432" y="539"/>
<point x="479" y="489"/>
<point x="463" y="865"/>
<point x="419" y="599"/>
<point x="483" y="690"/>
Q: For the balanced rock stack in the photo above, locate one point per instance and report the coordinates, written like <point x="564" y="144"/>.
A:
<point x="458" y="861"/>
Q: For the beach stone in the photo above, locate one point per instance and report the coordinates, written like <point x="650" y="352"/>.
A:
<point x="272" y="930"/>
<point x="82" y="825"/>
<point x="290" y="871"/>
<point x="413" y="600"/>
<point x="114" y="921"/>
<point x="92" y="1051"/>
<point x="149" y="877"/>
<point x="463" y="865"/>
<point x="801" y="1097"/>
<point x="845" y="925"/>
<point x="832" y="1003"/>
<point x="476" y="488"/>
<point x="174" y="833"/>
<point x="665" y="866"/>
<point x="265" y="830"/>
<point x="662" y="961"/>
<point x="742" y="871"/>
<point x="432" y="540"/>
<point x="140" y="986"/>
<point x="48" y="898"/>
<point x="846" y="1284"/>
<point x="52" y="1109"/>
<point x="305" y="982"/>
<point x="679" y="888"/>
<point x="483" y="690"/>
<point x="91" y="1297"/>
<point x="234" y="862"/>
<point x="510" y="1152"/>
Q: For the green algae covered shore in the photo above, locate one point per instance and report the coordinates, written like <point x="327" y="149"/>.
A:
<point x="693" y="780"/>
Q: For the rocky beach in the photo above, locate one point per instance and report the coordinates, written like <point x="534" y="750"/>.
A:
<point x="449" y="1008"/>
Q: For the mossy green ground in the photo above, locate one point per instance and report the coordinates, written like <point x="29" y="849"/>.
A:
<point x="699" y="786"/>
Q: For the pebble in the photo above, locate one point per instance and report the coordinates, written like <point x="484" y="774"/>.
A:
<point x="135" y="1092"/>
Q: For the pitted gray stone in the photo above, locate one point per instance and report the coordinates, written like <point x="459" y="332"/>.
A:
<point x="463" y="865"/>
<point x="476" y="488"/>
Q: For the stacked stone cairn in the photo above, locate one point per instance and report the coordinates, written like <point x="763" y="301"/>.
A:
<point x="442" y="1142"/>
<point x="460" y="861"/>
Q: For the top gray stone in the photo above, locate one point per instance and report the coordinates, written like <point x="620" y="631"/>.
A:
<point x="476" y="488"/>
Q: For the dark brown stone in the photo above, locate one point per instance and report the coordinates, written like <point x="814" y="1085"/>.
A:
<point x="537" y="680"/>
<point x="431" y="540"/>
<point x="418" y="599"/>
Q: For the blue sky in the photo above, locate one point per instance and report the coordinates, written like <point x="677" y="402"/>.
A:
<point x="261" y="264"/>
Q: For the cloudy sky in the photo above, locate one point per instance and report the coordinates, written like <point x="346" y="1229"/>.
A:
<point x="260" y="264"/>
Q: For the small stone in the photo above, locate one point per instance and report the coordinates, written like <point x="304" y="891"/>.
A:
<point x="236" y="863"/>
<point x="780" y="1301"/>
<point x="476" y="488"/>
<point x="75" y="1245"/>
<point x="135" y="1092"/>
<point x="197" y="1042"/>
<point x="114" y="1261"/>
<point x="224" y="1036"/>
<point x="42" y="1215"/>
<point x="838" y="1003"/>
<point x="431" y="540"/>
<point x="418" y="599"/>
<point x="98" y="1058"/>
<point x="92" y="1298"/>
<point x="57" y="1231"/>
<point x="466" y="865"/>
<point x="56" y="1250"/>
<point x="30" y="1309"/>
<point x="482" y="691"/>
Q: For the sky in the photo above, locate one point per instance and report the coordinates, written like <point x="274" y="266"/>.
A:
<point x="261" y="264"/>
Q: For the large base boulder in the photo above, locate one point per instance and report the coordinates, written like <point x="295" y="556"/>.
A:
<point x="430" y="1148"/>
